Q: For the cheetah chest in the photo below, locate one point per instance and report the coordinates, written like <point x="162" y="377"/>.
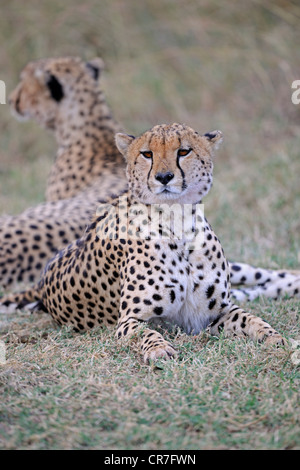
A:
<point x="206" y="294"/>
<point x="189" y="289"/>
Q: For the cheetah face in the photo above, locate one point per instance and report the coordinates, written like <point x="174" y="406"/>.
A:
<point x="47" y="85"/>
<point x="169" y="163"/>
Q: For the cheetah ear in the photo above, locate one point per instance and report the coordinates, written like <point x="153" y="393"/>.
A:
<point x="95" y="66"/>
<point x="123" y="141"/>
<point x="215" y="138"/>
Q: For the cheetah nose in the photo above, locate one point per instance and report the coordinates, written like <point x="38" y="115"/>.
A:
<point x="164" y="178"/>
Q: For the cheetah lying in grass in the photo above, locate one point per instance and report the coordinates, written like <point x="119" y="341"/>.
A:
<point x="63" y="95"/>
<point x="124" y="272"/>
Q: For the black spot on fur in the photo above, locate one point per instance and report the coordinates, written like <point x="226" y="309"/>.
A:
<point x="209" y="291"/>
<point x="235" y="267"/>
<point x="56" y="89"/>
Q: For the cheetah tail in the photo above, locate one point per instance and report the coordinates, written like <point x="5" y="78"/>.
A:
<point x="21" y="299"/>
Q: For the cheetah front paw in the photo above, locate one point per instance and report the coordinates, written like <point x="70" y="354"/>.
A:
<point x="159" y="352"/>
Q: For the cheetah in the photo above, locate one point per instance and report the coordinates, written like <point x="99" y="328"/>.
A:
<point x="63" y="95"/>
<point x="251" y="282"/>
<point x="126" y="269"/>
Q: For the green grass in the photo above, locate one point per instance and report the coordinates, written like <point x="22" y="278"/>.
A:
<point x="213" y="65"/>
<point x="67" y="391"/>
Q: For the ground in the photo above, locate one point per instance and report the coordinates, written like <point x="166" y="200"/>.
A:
<point x="230" y="68"/>
<point x="62" y="391"/>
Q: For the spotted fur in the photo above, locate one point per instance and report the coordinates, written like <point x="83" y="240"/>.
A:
<point x="251" y="282"/>
<point x="124" y="273"/>
<point x="63" y="95"/>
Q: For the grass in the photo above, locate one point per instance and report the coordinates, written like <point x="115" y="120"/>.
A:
<point x="66" y="391"/>
<point x="212" y="65"/>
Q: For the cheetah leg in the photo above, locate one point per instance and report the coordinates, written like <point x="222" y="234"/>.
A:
<point x="21" y="299"/>
<point x="153" y="345"/>
<point x="238" y="322"/>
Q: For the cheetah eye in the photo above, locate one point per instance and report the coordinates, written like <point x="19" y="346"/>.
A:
<point x="183" y="152"/>
<point x="147" y="154"/>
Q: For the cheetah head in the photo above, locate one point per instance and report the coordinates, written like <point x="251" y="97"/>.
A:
<point x="47" y="85"/>
<point x="169" y="163"/>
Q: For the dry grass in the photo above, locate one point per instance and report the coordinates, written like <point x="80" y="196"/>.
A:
<point x="65" y="391"/>
<point x="210" y="64"/>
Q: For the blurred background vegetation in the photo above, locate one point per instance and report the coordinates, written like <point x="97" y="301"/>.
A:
<point x="213" y="65"/>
